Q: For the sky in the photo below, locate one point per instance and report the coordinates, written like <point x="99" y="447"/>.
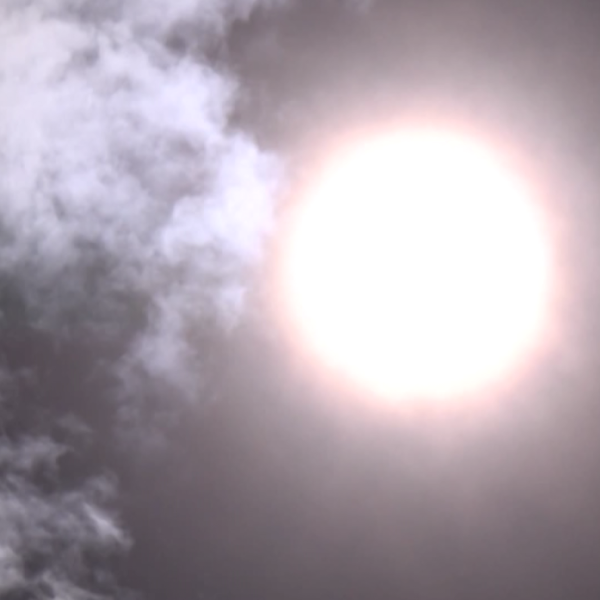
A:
<point x="159" y="438"/>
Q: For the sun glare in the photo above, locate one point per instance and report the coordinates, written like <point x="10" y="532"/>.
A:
<point x="418" y="267"/>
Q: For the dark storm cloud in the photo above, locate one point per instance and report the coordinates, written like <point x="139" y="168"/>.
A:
<point x="131" y="210"/>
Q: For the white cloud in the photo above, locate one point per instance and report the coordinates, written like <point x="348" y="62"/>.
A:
<point x="124" y="187"/>
<point x="131" y="209"/>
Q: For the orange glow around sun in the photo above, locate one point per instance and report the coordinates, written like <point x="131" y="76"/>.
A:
<point x="418" y="266"/>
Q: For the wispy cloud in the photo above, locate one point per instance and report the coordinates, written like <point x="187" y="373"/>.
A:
<point x="53" y="542"/>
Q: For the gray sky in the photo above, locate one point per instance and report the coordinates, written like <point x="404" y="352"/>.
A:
<point x="158" y="436"/>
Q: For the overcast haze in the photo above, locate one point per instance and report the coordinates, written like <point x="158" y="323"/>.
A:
<point x="159" y="437"/>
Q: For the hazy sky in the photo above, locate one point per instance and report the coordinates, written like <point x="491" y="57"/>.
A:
<point x="159" y="439"/>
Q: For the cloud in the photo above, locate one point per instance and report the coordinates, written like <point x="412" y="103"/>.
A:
<point x="53" y="542"/>
<point x="130" y="205"/>
<point x="131" y="212"/>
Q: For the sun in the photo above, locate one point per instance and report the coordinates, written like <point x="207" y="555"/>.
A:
<point x="418" y="267"/>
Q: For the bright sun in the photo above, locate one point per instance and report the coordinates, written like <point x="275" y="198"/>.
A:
<point x="418" y="267"/>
